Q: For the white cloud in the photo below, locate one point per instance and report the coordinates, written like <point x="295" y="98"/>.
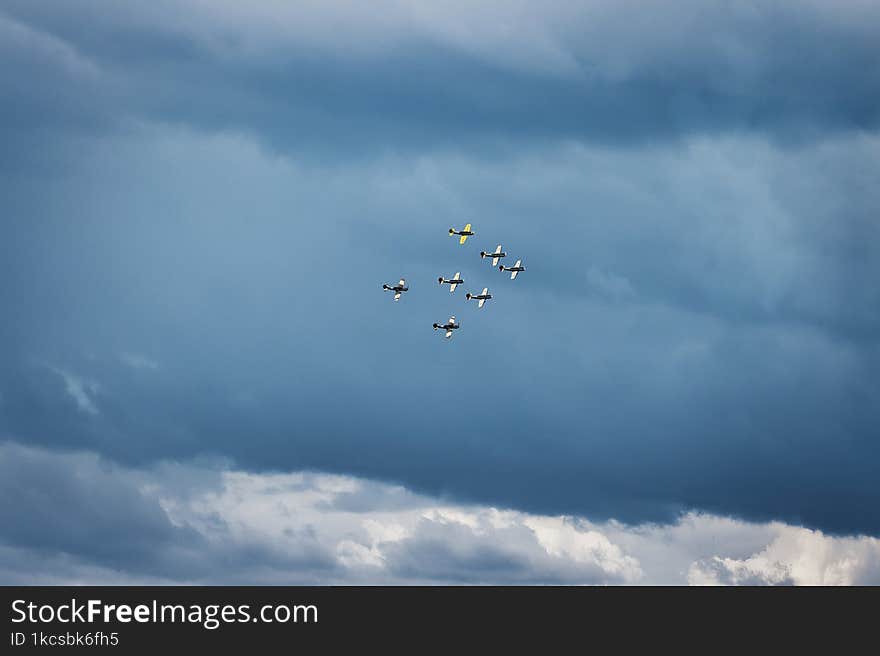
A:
<point x="81" y="390"/>
<point x="375" y="543"/>
<point x="796" y="556"/>
<point x="562" y="538"/>
<point x="224" y="525"/>
<point x="351" y="518"/>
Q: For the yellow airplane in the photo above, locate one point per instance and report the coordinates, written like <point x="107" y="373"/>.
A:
<point x="463" y="233"/>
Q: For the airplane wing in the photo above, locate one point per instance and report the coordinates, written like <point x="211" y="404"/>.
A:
<point x="396" y="296"/>
<point x="513" y="275"/>
<point x="448" y="334"/>
<point x="463" y="239"/>
<point x="485" y="291"/>
<point x="498" y="248"/>
<point x="515" y="266"/>
<point x="452" y="287"/>
<point x="480" y="302"/>
<point x="402" y="282"/>
<point x="494" y="261"/>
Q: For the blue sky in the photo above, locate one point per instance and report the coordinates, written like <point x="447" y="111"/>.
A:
<point x="201" y="203"/>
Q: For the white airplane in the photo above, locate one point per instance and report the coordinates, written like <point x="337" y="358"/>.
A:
<point x="449" y="326"/>
<point x="452" y="282"/>
<point x="515" y="269"/>
<point x="463" y="233"/>
<point x="495" y="256"/>
<point x="398" y="289"/>
<point x="482" y="297"/>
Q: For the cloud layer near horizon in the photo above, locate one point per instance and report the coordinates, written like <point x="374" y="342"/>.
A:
<point x="89" y="521"/>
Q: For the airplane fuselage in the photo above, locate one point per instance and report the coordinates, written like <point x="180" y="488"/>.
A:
<point x="443" y="281"/>
<point x="519" y="268"/>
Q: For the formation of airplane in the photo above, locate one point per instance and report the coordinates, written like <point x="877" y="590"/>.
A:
<point x="451" y="325"/>
<point x="498" y="254"/>
<point x="398" y="289"/>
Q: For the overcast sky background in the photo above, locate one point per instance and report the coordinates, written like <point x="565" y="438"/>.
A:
<point x="201" y="379"/>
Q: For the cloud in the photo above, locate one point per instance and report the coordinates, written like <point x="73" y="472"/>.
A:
<point x="609" y="284"/>
<point x="136" y="361"/>
<point x="80" y="390"/>
<point x="220" y="190"/>
<point x="81" y="519"/>
<point x="796" y="556"/>
<point x="412" y="538"/>
<point x="415" y="76"/>
<point x="745" y="353"/>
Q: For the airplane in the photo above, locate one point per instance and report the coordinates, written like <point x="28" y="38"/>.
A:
<point x="463" y="233"/>
<point x="481" y="297"/>
<point x="452" y="282"/>
<point x="495" y="256"/>
<point x="449" y="326"/>
<point x="398" y="289"/>
<point x="515" y="269"/>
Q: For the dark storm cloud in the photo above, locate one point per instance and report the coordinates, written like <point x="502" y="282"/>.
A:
<point x="575" y="398"/>
<point x="697" y="328"/>
<point x="72" y="505"/>
<point x="642" y="72"/>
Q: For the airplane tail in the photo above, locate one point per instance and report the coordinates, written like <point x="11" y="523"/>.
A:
<point x="501" y="268"/>
<point x="482" y="254"/>
<point x="436" y="326"/>
<point x="440" y="280"/>
<point x="452" y="231"/>
<point x="385" y="287"/>
<point x="468" y="296"/>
